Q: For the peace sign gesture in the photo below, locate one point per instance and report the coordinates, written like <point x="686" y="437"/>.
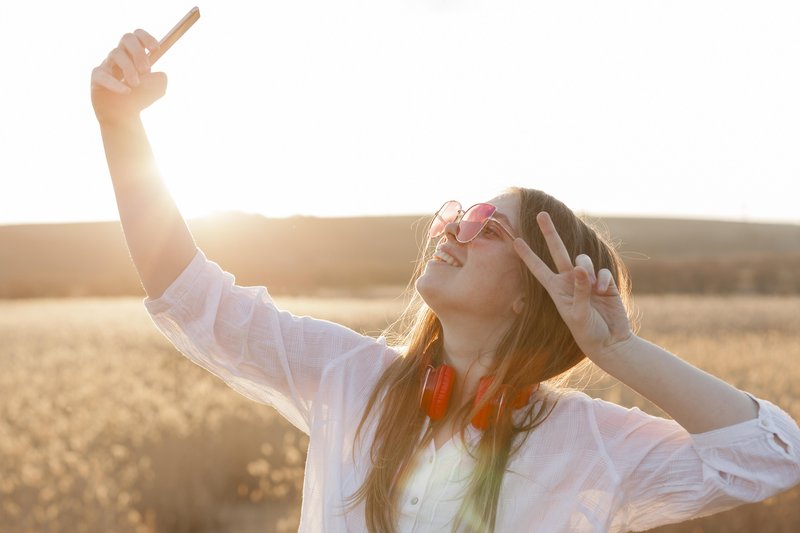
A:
<point x="588" y="301"/>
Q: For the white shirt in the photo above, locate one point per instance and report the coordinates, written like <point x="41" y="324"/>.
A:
<point x="592" y="466"/>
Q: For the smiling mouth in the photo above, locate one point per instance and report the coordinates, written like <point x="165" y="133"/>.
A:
<point x="444" y="257"/>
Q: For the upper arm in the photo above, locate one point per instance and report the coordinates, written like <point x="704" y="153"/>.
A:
<point x="238" y="334"/>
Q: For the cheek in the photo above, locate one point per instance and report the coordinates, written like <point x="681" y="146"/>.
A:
<point x="512" y="278"/>
<point x="511" y="283"/>
<point x="500" y="282"/>
<point x="508" y="268"/>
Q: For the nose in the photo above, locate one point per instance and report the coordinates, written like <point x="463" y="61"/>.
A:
<point x="451" y="228"/>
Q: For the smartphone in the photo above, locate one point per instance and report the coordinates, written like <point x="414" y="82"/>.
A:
<point x="174" y="34"/>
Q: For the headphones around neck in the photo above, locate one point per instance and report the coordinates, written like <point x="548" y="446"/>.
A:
<point x="437" y="385"/>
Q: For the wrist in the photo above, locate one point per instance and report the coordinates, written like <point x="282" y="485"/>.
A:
<point x="118" y="121"/>
<point x="617" y="350"/>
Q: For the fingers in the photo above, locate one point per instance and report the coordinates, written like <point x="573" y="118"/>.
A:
<point x="582" y="290"/>
<point x="604" y="280"/>
<point x="554" y="243"/>
<point x="126" y="62"/>
<point x="122" y="61"/>
<point x="606" y="284"/>
<point x="103" y="78"/>
<point x="135" y="51"/>
<point x="585" y="261"/>
<point x="538" y="268"/>
<point x="149" y="42"/>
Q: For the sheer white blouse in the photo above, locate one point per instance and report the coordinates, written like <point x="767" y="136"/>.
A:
<point x="592" y="466"/>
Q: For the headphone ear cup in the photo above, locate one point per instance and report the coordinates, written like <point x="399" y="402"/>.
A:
<point x="437" y="386"/>
<point x="442" y="388"/>
<point x="500" y="403"/>
<point x="481" y="419"/>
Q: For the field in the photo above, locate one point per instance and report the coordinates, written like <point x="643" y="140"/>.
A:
<point x="104" y="427"/>
<point x="664" y="256"/>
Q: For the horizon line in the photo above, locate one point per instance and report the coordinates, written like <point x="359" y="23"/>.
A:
<point x="223" y="214"/>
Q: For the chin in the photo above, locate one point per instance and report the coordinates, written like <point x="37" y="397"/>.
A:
<point x="428" y="289"/>
<point x="435" y="296"/>
<point x="423" y="287"/>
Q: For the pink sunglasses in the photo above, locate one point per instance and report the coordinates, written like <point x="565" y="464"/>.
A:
<point x="470" y="222"/>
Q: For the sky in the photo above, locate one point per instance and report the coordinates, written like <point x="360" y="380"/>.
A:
<point x="339" y="108"/>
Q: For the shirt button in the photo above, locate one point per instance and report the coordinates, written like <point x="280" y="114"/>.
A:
<point x="430" y="459"/>
<point x="414" y="500"/>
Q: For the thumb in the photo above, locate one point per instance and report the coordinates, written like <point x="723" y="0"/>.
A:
<point x="152" y="86"/>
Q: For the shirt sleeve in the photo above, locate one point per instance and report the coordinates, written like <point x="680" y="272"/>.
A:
<point x="237" y="333"/>
<point x="668" y="475"/>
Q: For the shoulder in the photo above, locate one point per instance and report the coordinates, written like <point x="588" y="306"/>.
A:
<point x="348" y="381"/>
<point x="575" y="403"/>
<point x="365" y="363"/>
<point x="575" y="418"/>
<point x="567" y="419"/>
<point x="571" y="402"/>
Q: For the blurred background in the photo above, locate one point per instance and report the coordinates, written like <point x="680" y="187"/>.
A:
<point x="307" y="142"/>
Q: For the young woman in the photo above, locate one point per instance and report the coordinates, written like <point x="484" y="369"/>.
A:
<point x="454" y="423"/>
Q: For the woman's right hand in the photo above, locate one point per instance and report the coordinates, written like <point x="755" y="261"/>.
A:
<point x="122" y="86"/>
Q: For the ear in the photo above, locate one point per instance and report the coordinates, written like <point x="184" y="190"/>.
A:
<point x="519" y="305"/>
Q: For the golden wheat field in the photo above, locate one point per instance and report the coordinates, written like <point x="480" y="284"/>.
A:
<point x="104" y="427"/>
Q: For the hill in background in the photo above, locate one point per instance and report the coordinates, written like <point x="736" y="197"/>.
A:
<point x="306" y="255"/>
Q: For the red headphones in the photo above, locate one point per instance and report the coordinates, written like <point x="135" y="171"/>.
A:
<point x="437" y="384"/>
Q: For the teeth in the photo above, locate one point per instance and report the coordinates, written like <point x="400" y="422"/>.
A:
<point x="447" y="258"/>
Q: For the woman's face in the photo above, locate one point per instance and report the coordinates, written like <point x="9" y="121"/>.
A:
<point x="480" y="279"/>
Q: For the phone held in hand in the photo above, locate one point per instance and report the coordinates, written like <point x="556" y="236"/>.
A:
<point x="174" y="34"/>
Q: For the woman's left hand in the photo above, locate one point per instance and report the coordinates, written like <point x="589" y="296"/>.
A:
<point x="588" y="301"/>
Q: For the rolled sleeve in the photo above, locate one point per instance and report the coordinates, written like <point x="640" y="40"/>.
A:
<point x="755" y="459"/>
<point x="668" y="475"/>
<point x="179" y="287"/>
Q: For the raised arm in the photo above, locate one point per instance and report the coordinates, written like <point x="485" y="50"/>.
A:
<point x="590" y="304"/>
<point x="157" y="237"/>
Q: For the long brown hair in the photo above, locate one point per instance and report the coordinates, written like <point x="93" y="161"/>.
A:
<point x="537" y="347"/>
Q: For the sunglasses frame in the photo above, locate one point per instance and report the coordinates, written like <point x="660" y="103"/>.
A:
<point x="460" y="216"/>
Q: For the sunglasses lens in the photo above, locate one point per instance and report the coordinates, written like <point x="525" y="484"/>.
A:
<point x="446" y="214"/>
<point x="473" y="221"/>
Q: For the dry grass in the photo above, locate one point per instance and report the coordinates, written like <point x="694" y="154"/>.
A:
<point x="104" y="428"/>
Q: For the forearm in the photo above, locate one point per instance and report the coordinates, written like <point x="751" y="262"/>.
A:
<point x="159" y="241"/>
<point x="695" y="399"/>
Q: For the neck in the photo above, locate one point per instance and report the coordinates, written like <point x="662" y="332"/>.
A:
<point x="470" y="349"/>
